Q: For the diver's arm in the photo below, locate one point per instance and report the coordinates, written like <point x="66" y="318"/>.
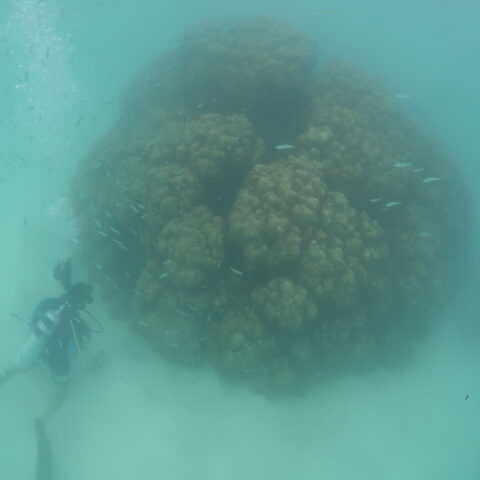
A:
<point x="25" y="358"/>
<point x="33" y="347"/>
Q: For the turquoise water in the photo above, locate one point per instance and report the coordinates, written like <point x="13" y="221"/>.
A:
<point x="63" y="67"/>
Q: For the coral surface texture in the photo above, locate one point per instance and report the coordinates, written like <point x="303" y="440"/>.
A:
<point x="268" y="214"/>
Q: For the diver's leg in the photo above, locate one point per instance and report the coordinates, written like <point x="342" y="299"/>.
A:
<point x="56" y="402"/>
<point x="44" y="468"/>
<point x="59" y="364"/>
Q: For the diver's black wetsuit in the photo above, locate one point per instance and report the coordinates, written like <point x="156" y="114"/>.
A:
<point x="58" y="332"/>
<point x="63" y="332"/>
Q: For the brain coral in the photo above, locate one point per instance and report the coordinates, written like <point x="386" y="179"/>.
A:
<point x="215" y="146"/>
<point x="192" y="245"/>
<point x="277" y="208"/>
<point x="238" y="64"/>
<point x="275" y="222"/>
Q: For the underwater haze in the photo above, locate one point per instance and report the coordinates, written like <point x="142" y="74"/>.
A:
<point x="64" y="67"/>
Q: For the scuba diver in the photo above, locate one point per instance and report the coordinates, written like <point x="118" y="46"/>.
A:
<point x="58" y="334"/>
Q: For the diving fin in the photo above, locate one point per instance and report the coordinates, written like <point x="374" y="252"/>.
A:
<point x="44" y="467"/>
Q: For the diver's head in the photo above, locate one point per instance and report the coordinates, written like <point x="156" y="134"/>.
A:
<point x="79" y="295"/>
<point x="63" y="274"/>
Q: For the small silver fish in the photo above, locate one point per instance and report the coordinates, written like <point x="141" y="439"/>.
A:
<point x="403" y="96"/>
<point x="392" y="204"/>
<point x="120" y="244"/>
<point x="402" y="165"/>
<point x="134" y="209"/>
<point x="163" y="275"/>
<point x="284" y="146"/>
<point x="101" y="233"/>
<point x="374" y="200"/>
<point x="237" y="272"/>
<point x="430" y="179"/>
<point x="418" y="170"/>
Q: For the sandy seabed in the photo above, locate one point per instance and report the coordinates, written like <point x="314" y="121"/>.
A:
<point x="138" y="417"/>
